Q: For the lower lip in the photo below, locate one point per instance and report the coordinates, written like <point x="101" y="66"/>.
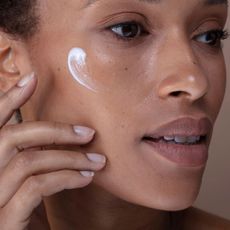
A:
<point x="183" y="155"/>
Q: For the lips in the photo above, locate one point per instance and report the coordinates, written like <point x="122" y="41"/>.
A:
<point x="183" y="141"/>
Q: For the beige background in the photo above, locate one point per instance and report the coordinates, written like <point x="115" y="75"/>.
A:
<point x="215" y="192"/>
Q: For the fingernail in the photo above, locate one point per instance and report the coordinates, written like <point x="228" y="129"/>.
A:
<point x="95" y="157"/>
<point x="24" y="81"/>
<point x="87" y="173"/>
<point x="83" y="131"/>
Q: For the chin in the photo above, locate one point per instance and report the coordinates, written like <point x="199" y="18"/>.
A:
<point x="165" y="201"/>
<point x="176" y="203"/>
<point x="178" y="196"/>
<point x="171" y="194"/>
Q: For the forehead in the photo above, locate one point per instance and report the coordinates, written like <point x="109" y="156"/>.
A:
<point x="205" y="2"/>
<point x="83" y="4"/>
<point x="75" y="10"/>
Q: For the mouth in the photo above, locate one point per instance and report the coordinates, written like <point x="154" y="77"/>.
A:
<point x="178" y="140"/>
<point x="184" y="141"/>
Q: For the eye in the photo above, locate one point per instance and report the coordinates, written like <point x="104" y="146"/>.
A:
<point x="212" y="37"/>
<point x="128" y="30"/>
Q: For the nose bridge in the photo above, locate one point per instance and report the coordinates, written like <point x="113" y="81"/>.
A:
<point x="180" y="73"/>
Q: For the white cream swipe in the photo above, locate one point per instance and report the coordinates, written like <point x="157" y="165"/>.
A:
<point x="78" y="68"/>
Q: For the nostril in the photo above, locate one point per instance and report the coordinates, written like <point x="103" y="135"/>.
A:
<point x="192" y="87"/>
<point x="176" y="93"/>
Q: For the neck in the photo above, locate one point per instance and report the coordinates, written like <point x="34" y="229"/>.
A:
<point x="94" y="208"/>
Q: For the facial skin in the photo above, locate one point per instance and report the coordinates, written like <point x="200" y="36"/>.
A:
<point x="141" y="76"/>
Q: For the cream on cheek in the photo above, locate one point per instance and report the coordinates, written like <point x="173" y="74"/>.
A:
<point x="118" y="82"/>
<point x="77" y="65"/>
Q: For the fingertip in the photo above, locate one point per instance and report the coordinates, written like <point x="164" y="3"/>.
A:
<point x="87" y="174"/>
<point x="96" y="158"/>
<point x="83" y="131"/>
<point x="26" y="80"/>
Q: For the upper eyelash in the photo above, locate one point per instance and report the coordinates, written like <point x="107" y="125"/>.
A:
<point x="223" y="34"/>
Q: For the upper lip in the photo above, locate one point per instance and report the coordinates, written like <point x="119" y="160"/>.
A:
<point x="183" y="127"/>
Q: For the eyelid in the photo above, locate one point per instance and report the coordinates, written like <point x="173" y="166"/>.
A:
<point x="120" y="17"/>
<point x="125" y="23"/>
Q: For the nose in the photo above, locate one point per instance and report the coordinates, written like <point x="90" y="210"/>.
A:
<point x="180" y="73"/>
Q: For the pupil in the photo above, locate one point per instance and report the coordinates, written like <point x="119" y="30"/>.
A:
<point x="130" y="30"/>
<point x="211" y="38"/>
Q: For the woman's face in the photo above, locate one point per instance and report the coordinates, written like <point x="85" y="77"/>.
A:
<point x="151" y="82"/>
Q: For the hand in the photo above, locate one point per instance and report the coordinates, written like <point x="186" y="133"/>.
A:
<point x="28" y="173"/>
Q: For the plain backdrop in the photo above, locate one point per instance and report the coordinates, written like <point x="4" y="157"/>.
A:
<point x="215" y="192"/>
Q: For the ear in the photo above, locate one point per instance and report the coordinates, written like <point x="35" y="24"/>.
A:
<point x="14" y="61"/>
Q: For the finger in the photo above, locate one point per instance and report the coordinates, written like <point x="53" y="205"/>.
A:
<point x="15" y="138"/>
<point x="16" y="97"/>
<point x="17" y="212"/>
<point x="26" y="164"/>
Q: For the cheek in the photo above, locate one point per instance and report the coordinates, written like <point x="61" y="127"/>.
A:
<point x="216" y="72"/>
<point x="123" y="75"/>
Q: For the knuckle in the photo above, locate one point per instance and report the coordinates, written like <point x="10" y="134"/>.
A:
<point x="56" y="131"/>
<point x="80" y="160"/>
<point x="23" y="161"/>
<point x="55" y="126"/>
<point x="6" y="131"/>
<point x="6" y="135"/>
<point x="33" y="184"/>
<point x="76" y="157"/>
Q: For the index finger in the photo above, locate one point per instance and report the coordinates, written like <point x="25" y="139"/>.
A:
<point x="16" y="97"/>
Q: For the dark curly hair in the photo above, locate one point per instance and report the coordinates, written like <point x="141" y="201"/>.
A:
<point x="18" y="17"/>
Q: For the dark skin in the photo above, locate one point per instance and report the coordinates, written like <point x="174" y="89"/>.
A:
<point x="169" y="67"/>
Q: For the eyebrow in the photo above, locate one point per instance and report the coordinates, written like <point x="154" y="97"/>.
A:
<point x="206" y="2"/>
